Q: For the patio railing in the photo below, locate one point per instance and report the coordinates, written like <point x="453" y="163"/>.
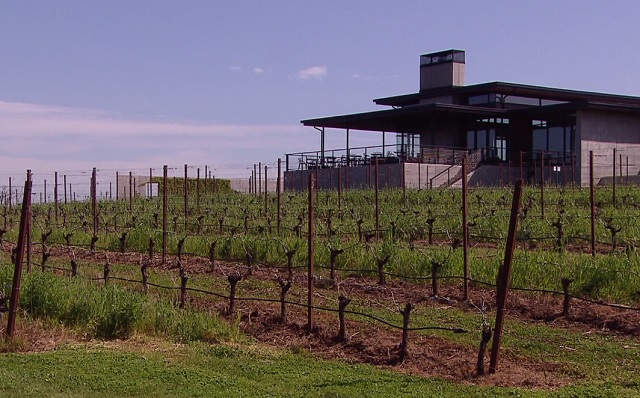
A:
<point x="363" y="156"/>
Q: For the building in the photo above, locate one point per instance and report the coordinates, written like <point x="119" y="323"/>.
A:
<point x="505" y="131"/>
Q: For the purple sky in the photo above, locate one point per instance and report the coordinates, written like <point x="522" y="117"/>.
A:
<point x="122" y="85"/>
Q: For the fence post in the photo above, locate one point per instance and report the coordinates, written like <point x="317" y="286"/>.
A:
<point x="278" y="182"/>
<point x="266" y="195"/>
<point x="29" y="224"/>
<point x="614" y="178"/>
<point x="164" y="214"/>
<point x="340" y="192"/>
<point x="542" y="185"/>
<point x="186" y="200"/>
<point x="310" y="257"/>
<point x="10" y="194"/>
<point x="198" y="191"/>
<point x="17" y="274"/>
<point x="377" y="185"/>
<point x="55" y="195"/>
<point x="504" y="275"/>
<point x="94" y="205"/>
<point x="465" y="229"/>
<point x="259" y="177"/>
<point x="593" y="205"/>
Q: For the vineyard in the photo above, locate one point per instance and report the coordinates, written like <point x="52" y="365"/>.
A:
<point x="366" y="275"/>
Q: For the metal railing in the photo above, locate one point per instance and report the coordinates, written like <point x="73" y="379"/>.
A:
<point x="362" y="156"/>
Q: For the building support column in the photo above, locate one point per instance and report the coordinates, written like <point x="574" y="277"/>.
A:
<point x="348" y="151"/>
<point x="321" y="145"/>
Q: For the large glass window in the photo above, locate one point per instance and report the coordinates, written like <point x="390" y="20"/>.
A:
<point x="471" y="139"/>
<point x="540" y="139"/>
<point x="481" y="138"/>
<point x="408" y="144"/>
<point x="557" y="140"/>
<point x="489" y="137"/>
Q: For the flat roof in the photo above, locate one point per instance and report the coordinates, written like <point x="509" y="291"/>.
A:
<point x="410" y="115"/>
<point x="399" y="119"/>
<point x="551" y="93"/>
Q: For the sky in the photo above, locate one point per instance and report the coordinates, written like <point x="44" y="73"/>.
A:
<point x="132" y="85"/>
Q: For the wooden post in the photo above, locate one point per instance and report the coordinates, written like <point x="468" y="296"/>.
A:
<point x="465" y="229"/>
<point x="198" y="191"/>
<point x="55" y="195"/>
<point x="377" y="201"/>
<point x="94" y="204"/>
<point x="404" y="182"/>
<point x="206" y="176"/>
<point x="266" y="195"/>
<point x="259" y="191"/>
<point x="340" y="192"/>
<point x="310" y="257"/>
<point x="131" y="192"/>
<point x="64" y="181"/>
<point x="419" y="170"/>
<point x="593" y="205"/>
<point x="542" y="185"/>
<point x="521" y="166"/>
<point x="278" y="182"/>
<point x="29" y="223"/>
<point x="17" y="274"/>
<point x="614" y="178"/>
<point x="164" y="214"/>
<point x="504" y="276"/>
<point x="186" y="200"/>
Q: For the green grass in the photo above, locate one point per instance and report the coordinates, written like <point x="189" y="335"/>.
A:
<point x="112" y="311"/>
<point x="223" y="371"/>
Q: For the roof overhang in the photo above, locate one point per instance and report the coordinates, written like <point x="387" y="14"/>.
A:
<point x="516" y="89"/>
<point x="411" y="118"/>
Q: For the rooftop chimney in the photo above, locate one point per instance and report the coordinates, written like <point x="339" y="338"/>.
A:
<point x="442" y="69"/>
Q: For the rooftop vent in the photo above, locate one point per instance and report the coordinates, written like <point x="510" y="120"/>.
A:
<point x="442" y="69"/>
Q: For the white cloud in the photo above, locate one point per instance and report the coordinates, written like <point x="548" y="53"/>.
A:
<point x="258" y="70"/>
<point x="313" y="72"/>
<point x="235" y="68"/>
<point x="47" y="138"/>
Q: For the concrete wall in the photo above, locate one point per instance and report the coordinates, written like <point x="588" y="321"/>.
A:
<point x="139" y="186"/>
<point x="419" y="175"/>
<point x="359" y="177"/>
<point x="601" y="132"/>
<point x="496" y="175"/>
<point x="242" y="185"/>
